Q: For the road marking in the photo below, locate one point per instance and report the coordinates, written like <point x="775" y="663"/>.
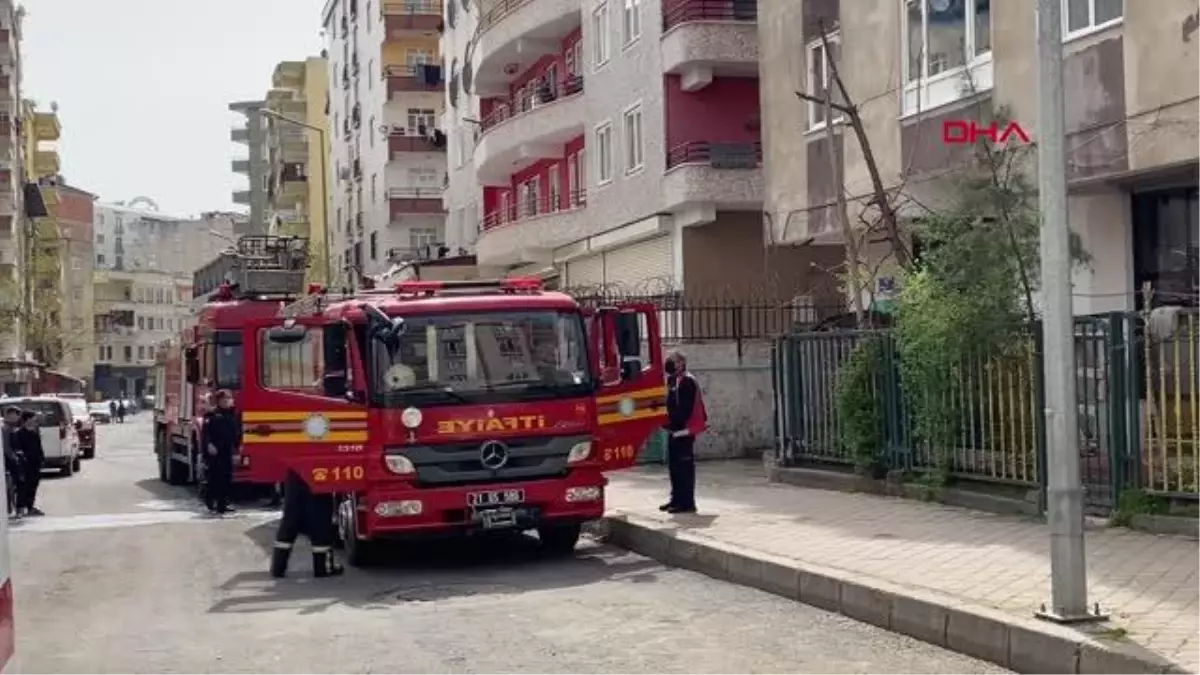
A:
<point x="45" y="524"/>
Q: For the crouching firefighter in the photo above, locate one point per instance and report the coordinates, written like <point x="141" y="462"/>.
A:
<point x="311" y="514"/>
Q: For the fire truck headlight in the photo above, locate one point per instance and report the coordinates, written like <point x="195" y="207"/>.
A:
<point x="399" y="464"/>
<point x="579" y="452"/>
<point x="407" y="507"/>
<point x="590" y="493"/>
<point x="411" y="418"/>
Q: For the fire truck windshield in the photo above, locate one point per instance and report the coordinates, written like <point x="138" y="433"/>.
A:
<point x="484" y="357"/>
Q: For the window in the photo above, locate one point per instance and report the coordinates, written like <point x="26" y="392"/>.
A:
<point x="76" y="262"/>
<point x="374" y="246"/>
<point x="371" y="132"/>
<point x="141" y="323"/>
<point x="141" y="352"/>
<point x="420" y="119"/>
<point x="604" y="163"/>
<point x="227" y="346"/>
<point x="374" y="195"/>
<point x="416" y="57"/>
<point x="1080" y="16"/>
<point x="820" y="78"/>
<point x="942" y="39"/>
<point x="419" y="237"/>
<point x="554" y="196"/>
<point x="99" y="237"/>
<point x="370" y="74"/>
<point x="293" y="365"/>
<point x="600" y="35"/>
<point x="633" y="139"/>
<point x="631" y="21"/>
<point x="128" y="353"/>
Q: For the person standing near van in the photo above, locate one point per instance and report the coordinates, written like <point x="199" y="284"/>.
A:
<point x="29" y="440"/>
<point x="13" y="466"/>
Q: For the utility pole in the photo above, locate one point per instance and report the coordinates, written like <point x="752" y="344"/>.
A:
<point x="1064" y="496"/>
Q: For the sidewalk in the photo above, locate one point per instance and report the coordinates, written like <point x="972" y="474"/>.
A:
<point x="996" y="566"/>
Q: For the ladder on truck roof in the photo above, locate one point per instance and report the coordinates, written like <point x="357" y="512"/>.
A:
<point x="261" y="265"/>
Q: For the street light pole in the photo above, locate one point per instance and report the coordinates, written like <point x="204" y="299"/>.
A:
<point x="1064" y="492"/>
<point x="325" y="196"/>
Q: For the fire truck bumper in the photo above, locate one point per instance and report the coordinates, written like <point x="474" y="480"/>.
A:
<point x="486" y="506"/>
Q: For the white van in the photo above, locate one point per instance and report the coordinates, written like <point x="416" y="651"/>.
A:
<point x="60" y="440"/>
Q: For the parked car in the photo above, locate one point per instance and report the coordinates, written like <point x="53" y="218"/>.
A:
<point x="84" y="427"/>
<point x="100" y="412"/>
<point x="60" y="440"/>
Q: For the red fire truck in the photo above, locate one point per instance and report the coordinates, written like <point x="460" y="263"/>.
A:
<point x="239" y="287"/>
<point x="449" y="407"/>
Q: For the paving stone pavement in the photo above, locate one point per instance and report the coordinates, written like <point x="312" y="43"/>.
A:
<point x="1148" y="582"/>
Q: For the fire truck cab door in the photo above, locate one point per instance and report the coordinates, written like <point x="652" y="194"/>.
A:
<point x="306" y="413"/>
<point x="631" y="398"/>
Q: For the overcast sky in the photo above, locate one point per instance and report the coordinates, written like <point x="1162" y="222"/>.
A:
<point x="142" y="88"/>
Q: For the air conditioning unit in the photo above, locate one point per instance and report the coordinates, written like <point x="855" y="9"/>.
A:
<point x="344" y="173"/>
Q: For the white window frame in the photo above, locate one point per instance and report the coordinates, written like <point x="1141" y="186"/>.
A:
<point x="554" y="190"/>
<point x="933" y="91"/>
<point x="1092" y="26"/>
<point x="814" y="108"/>
<point x="632" y="121"/>
<point x="422" y="236"/>
<point x="601" y="28"/>
<point x="604" y="151"/>
<point x="631" y="21"/>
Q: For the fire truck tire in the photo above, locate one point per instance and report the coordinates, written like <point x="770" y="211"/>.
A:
<point x="560" y="538"/>
<point x="177" y="472"/>
<point x="359" y="552"/>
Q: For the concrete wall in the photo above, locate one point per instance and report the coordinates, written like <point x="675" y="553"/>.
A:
<point x="737" y="394"/>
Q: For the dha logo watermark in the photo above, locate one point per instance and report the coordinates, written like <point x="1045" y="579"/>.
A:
<point x="957" y="132"/>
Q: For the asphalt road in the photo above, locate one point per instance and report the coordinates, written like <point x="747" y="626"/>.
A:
<point x="125" y="574"/>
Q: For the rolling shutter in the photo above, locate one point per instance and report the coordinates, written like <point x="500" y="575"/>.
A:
<point x="585" y="272"/>
<point x="642" y="267"/>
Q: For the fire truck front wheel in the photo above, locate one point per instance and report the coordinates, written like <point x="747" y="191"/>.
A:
<point x="359" y="552"/>
<point x="560" y="538"/>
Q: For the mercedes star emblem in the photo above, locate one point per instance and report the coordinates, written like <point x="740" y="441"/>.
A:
<point x="493" y="455"/>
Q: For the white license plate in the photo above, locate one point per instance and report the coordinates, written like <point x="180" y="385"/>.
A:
<point x="495" y="498"/>
<point x="499" y="518"/>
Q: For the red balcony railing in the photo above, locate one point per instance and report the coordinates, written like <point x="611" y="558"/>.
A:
<point x="541" y="206"/>
<point x="421" y="77"/>
<point x="498" y="12"/>
<point x="541" y="94"/>
<point x="411" y="15"/>
<point x="716" y="155"/>
<point x="402" y="201"/>
<point x="412" y="143"/>
<point x="683" y="11"/>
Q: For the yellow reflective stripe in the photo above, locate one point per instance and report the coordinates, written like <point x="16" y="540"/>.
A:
<point x="301" y="437"/>
<point x="300" y="415"/>
<point x="635" y="395"/>
<point x="644" y="413"/>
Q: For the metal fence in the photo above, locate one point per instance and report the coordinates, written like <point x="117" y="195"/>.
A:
<point x="1139" y="416"/>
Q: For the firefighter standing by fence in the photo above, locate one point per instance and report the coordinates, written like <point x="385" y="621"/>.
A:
<point x="686" y="420"/>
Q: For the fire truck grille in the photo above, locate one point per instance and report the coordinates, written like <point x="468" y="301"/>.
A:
<point x="462" y="463"/>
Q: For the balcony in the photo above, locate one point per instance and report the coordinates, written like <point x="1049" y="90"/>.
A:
<point x="528" y="233"/>
<point x="421" y="77"/>
<point x="46" y="163"/>
<point x="46" y="126"/>
<point x="519" y="132"/>
<point x="241" y="197"/>
<point x="241" y="166"/>
<point x="402" y="142"/>
<point x="703" y="39"/>
<point x="703" y="177"/>
<point x="239" y="135"/>
<point x="403" y="18"/>
<point x="514" y="34"/>
<point x="408" y="201"/>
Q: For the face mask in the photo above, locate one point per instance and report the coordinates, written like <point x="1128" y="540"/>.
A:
<point x="671" y="368"/>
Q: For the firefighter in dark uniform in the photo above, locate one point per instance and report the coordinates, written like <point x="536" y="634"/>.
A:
<point x="310" y="514"/>
<point x="222" y="436"/>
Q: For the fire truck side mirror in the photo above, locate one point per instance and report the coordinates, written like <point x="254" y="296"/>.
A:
<point x="191" y="366"/>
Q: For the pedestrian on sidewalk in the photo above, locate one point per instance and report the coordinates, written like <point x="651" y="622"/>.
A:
<point x="686" y="420"/>
<point x="222" y="436"/>
<point x="121" y="411"/>
<point x="29" y="447"/>
<point x="13" y="467"/>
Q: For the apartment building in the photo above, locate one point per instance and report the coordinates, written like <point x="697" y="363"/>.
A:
<point x="143" y="285"/>
<point x="12" y="181"/>
<point x="298" y="150"/>
<point x="75" y="215"/>
<point x="251" y="131"/>
<point x="387" y="92"/>
<point x="1131" y="79"/>
<point x="613" y="144"/>
<point x="46" y="252"/>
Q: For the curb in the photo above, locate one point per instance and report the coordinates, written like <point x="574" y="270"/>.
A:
<point x="1013" y="642"/>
